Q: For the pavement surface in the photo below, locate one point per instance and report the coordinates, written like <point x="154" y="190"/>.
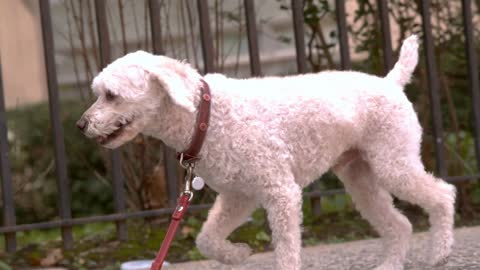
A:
<point x="361" y="255"/>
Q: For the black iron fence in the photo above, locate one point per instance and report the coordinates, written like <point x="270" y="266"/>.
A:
<point x="66" y="221"/>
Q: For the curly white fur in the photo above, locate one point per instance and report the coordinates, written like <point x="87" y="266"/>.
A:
<point x="270" y="137"/>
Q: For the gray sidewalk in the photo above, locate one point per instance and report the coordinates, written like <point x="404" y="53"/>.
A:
<point x="360" y="255"/>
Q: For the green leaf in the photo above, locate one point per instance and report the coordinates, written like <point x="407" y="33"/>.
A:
<point x="195" y="255"/>
<point x="4" y="266"/>
<point x="262" y="236"/>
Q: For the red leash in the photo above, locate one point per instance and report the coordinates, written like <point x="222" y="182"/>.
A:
<point x="177" y="216"/>
<point x="187" y="160"/>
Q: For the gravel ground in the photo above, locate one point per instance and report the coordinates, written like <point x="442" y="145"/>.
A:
<point x="361" y="255"/>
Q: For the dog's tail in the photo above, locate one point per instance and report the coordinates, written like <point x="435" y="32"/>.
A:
<point x="403" y="69"/>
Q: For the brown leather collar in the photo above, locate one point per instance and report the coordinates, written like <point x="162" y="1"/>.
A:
<point x="191" y="153"/>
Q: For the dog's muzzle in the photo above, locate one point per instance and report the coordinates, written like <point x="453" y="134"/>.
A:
<point x="82" y="124"/>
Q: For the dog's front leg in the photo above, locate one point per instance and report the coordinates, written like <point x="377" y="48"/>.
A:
<point x="284" y="210"/>
<point x="228" y="212"/>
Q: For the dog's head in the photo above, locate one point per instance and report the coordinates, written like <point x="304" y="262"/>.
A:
<point x="131" y="92"/>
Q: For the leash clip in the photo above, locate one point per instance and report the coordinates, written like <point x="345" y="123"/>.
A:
<point x="188" y="179"/>
<point x="178" y="213"/>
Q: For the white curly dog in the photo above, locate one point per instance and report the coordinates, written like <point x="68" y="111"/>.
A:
<point x="270" y="137"/>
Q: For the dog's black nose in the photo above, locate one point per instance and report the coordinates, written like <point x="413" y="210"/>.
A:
<point x="82" y="124"/>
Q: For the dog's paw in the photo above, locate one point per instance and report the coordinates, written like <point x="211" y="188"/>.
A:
<point x="235" y="253"/>
<point x="439" y="259"/>
<point x="389" y="266"/>
<point x="223" y="250"/>
<point x="441" y="249"/>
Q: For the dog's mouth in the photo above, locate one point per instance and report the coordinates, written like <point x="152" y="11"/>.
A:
<point x="120" y="128"/>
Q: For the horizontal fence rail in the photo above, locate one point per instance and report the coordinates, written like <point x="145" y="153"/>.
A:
<point x="9" y="227"/>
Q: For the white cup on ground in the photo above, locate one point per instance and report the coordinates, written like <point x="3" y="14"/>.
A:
<point x="139" y="265"/>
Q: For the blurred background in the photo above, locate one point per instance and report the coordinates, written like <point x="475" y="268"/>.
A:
<point x="77" y="56"/>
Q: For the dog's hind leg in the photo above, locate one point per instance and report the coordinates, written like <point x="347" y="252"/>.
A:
<point x="394" y="158"/>
<point x="376" y="205"/>
<point x="228" y="212"/>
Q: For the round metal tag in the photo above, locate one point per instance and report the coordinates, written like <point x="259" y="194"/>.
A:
<point x="198" y="183"/>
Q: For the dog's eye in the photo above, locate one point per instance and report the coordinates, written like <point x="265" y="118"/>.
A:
<point x="110" y="96"/>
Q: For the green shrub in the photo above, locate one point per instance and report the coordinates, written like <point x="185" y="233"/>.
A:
<point x="33" y="165"/>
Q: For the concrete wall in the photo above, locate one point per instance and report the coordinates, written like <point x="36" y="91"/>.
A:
<point x="21" y="53"/>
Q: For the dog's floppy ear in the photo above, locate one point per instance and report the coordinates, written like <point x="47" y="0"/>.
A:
<point x="172" y="84"/>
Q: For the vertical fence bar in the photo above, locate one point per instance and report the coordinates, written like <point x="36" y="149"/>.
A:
<point x="168" y="153"/>
<point x="252" y="35"/>
<point x="297" y="10"/>
<point x="298" y="28"/>
<point x="386" y="37"/>
<point x="54" y="108"/>
<point x="472" y="61"/>
<point x="342" y="35"/>
<point x="117" y="175"/>
<point x="206" y="36"/>
<point x="118" y="192"/>
<point x="7" y="191"/>
<point x="155" y="28"/>
<point x="434" y="88"/>
<point x="172" y="175"/>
